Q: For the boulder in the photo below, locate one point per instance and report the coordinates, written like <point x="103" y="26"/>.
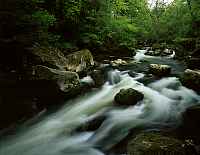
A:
<point x="98" y="77"/>
<point x="191" y="123"/>
<point x="155" y="144"/>
<point x="49" y="56"/>
<point x="128" y="97"/>
<point x="92" y="124"/>
<point x="154" y="53"/>
<point x="191" y="79"/>
<point x="53" y="57"/>
<point x="118" y="62"/>
<point x="65" y="79"/>
<point x="159" y="70"/>
<point x="190" y="126"/>
<point x="167" y="52"/>
<point x="193" y="62"/>
<point x="79" y="61"/>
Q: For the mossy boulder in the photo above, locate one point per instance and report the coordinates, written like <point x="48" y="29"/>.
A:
<point x="65" y="79"/>
<point x="49" y="56"/>
<point x="79" y="61"/>
<point x="118" y="62"/>
<point x="155" y="144"/>
<point x="128" y="97"/>
<point x="159" y="70"/>
<point x="191" y="79"/>
<point x="53" y="57"/>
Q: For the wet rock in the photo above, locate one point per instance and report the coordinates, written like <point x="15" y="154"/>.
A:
<point x="98" y="77"/>
<point x="159" y="70"/>
<point x="155" y="143"/>
<point x="92" y="125"/>
<point x="191" y="79"/>
<point x="154" y="53"/>
<point x="132" y="74"/>
<point x="118" y="62"/>
<point x="166" y="52"/>
<point x="128" y="97"/>
<point x="148" y="78"/>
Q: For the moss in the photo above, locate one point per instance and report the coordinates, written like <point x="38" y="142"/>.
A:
<point x="154" y="144"/>
<point x="53" y="56"/>
<point x="78" y="61"/>
<point x="191" y="79"/>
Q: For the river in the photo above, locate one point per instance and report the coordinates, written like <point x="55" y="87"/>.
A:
<point x="55" y="134"/>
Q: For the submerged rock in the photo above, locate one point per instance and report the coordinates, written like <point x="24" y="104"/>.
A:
<point x="128" y="97"/>
<point x="191" y="79"/>
<point x="155" y="144"/>
<point x="160" y="70"/>
<point x="92" y="125"/>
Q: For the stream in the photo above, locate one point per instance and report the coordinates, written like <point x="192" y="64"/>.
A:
<point x="55" y="134"/>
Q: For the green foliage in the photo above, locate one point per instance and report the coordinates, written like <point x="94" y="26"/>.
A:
<point x="44" y="19"/>
<point x="119" y="22"/>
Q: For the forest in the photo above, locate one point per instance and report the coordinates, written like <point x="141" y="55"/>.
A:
<point x="97" y="24"/>
<point x="100" y="77"/>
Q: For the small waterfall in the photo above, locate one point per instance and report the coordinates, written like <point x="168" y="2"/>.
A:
<point x="114" y="77"/>
<point x="163" y="103"/>
<point x="140" y="55"/>
<point x="87" y="79"/>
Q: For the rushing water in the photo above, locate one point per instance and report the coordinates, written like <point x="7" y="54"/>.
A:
<point x="163" y="103"/>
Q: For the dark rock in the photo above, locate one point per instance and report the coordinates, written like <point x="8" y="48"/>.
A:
<point x="159" y="70"/>
<point x="148" y="78"/>
<point x="132" y="74"/>
<point x="193" y="63"/>
<point x="191" y="79"/>
<point x="191" y="123"/>
<point x="15" y="108"/>
<point x="98" y="77"/>
<point x="92" y="125"/>
<point x="22" y="99"/>
<point x="128" y="97"/>
<point x="155" y="143"/>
